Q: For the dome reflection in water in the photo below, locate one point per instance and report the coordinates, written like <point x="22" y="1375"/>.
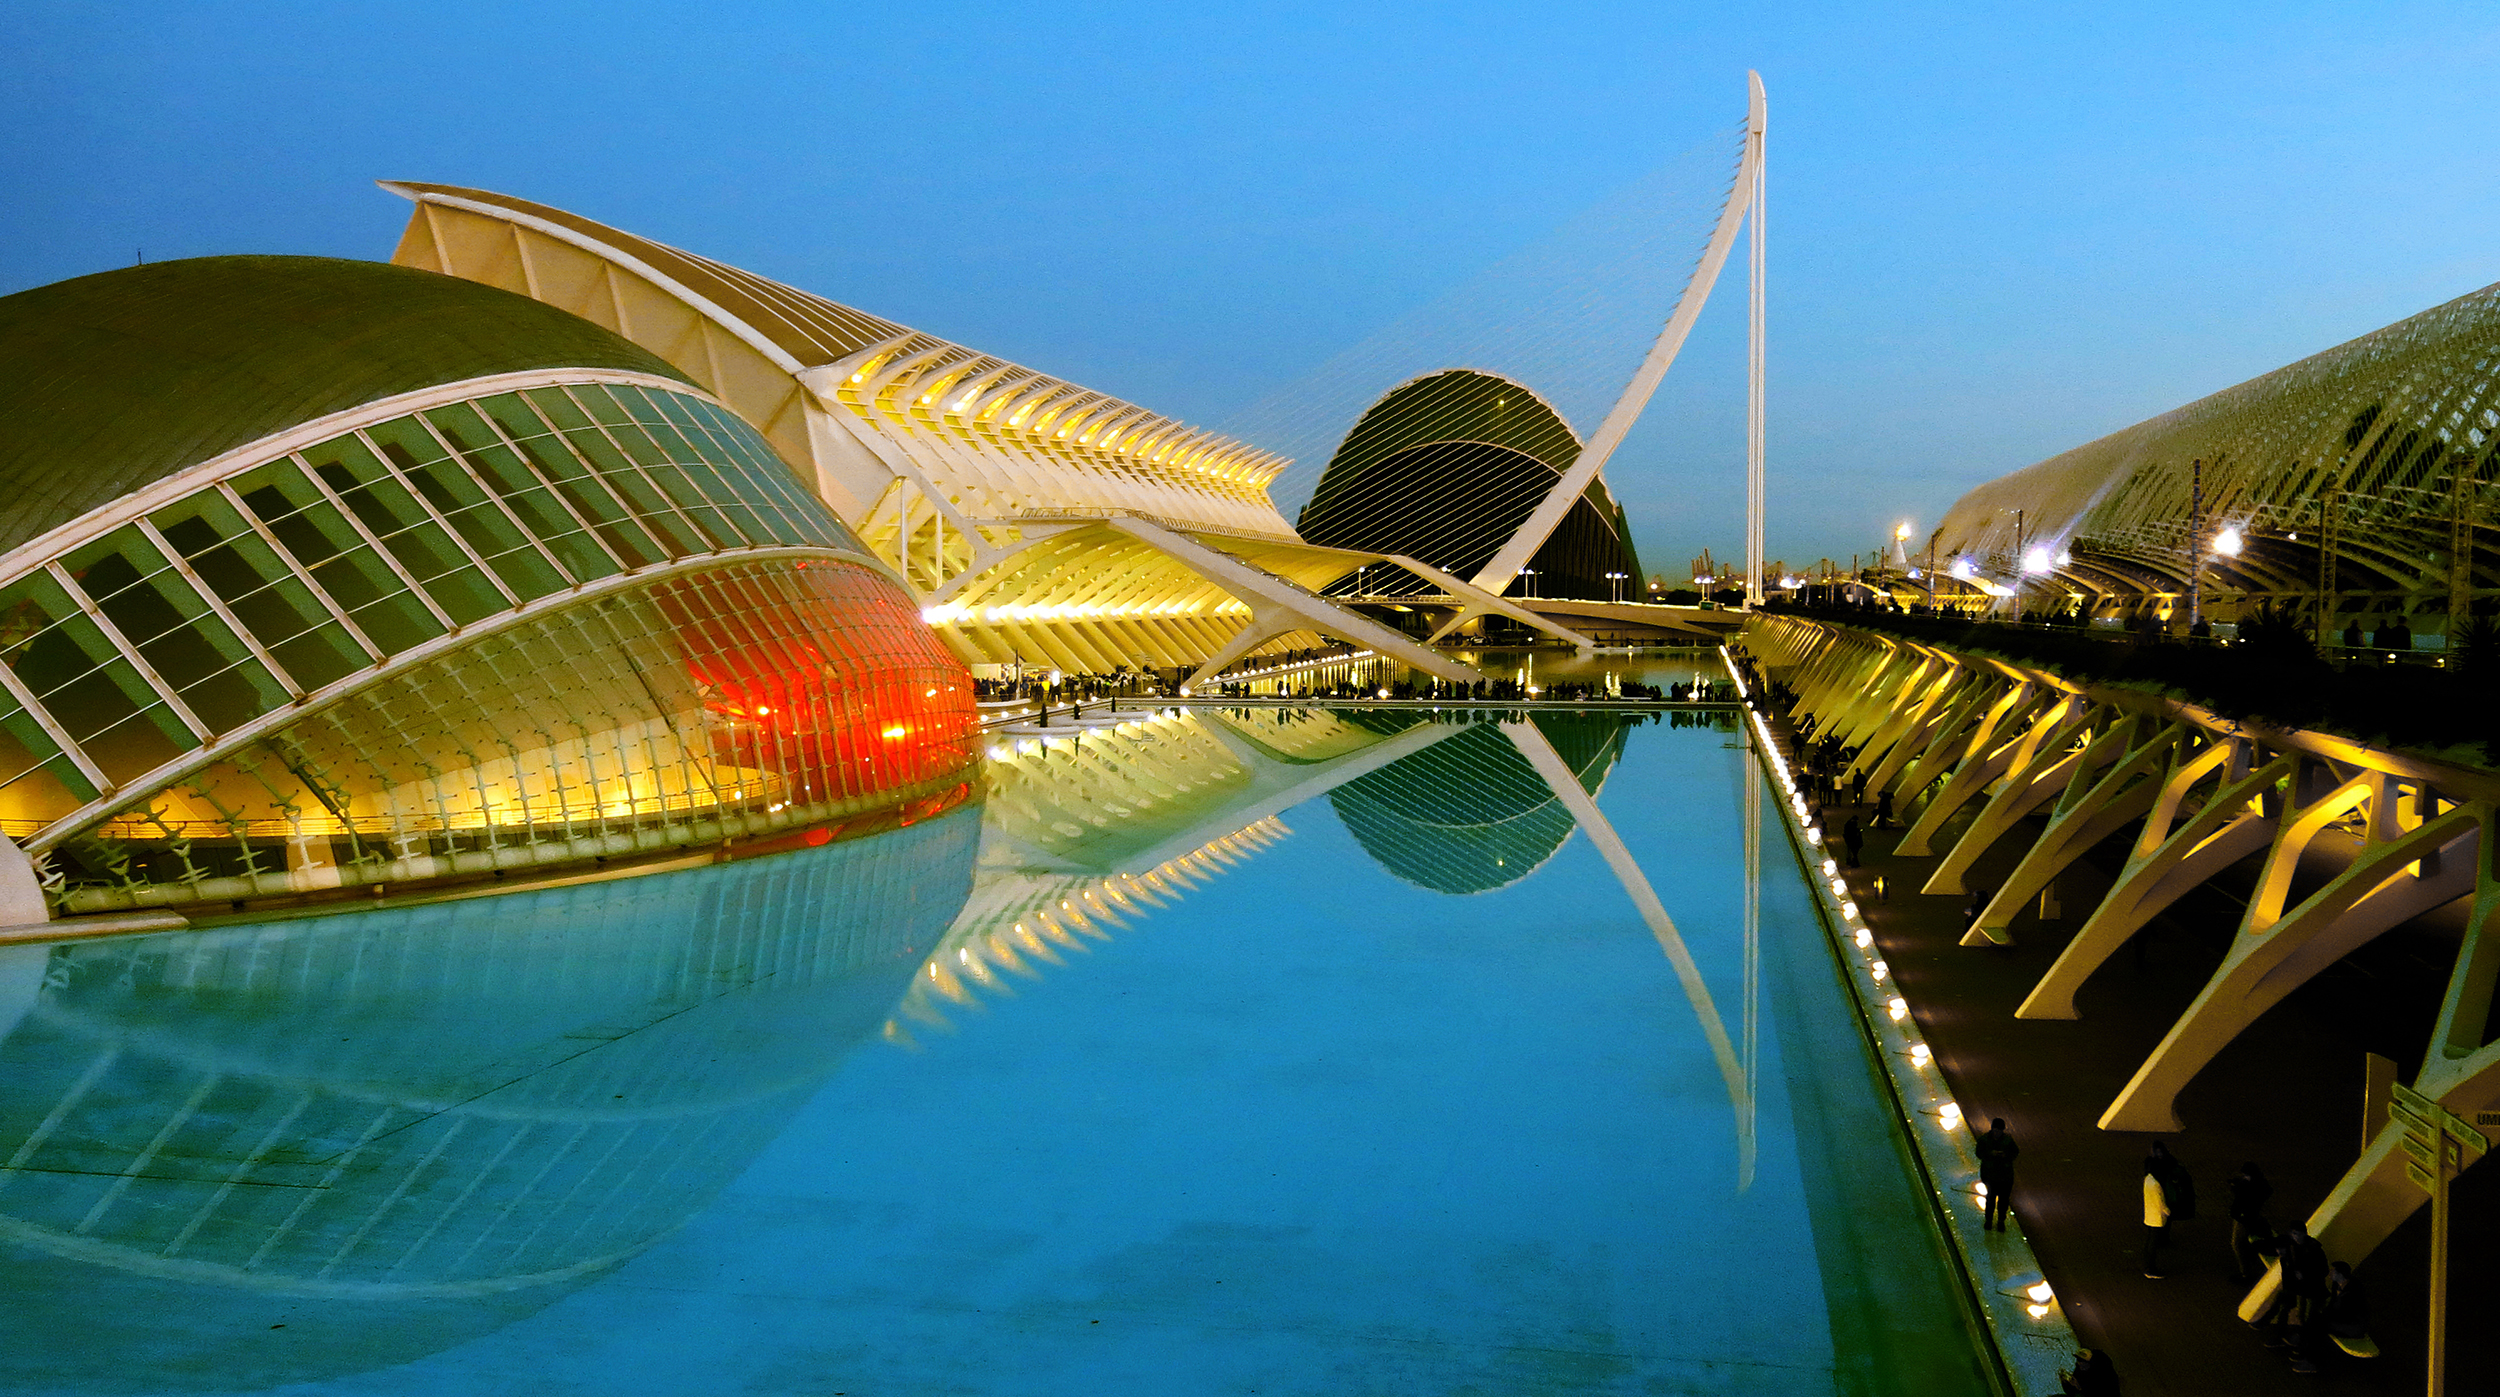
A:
<point x="333" y="1144"/>
<point x="1471" y="814"/>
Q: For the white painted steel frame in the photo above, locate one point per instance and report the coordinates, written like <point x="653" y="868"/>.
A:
<point x="1497" y="575"/>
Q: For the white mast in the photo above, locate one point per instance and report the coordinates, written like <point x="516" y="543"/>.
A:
<point x="1753" y="356"/>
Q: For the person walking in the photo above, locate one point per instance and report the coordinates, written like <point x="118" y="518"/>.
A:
<point x="1997" y="1151"/>
<point x="2156" y="1217"/>
<point x="1853" y="835"/>
<point x="2249" y="1194"/>
<point x="1883" y="809"/>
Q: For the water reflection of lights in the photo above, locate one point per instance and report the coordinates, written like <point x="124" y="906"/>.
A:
<point x="976" y="950"/>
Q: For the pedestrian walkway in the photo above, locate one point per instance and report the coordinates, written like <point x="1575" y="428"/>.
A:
<point x="2288" y="1095"/>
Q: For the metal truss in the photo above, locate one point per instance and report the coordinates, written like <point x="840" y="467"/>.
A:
<point x="2351" y="841"/>
<point x="2395" y="434"/>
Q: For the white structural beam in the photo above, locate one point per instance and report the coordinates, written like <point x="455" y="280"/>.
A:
<point x="1474" y="601"/>
<point x="1274" y="601"/>
<point x="1497" y="575"/>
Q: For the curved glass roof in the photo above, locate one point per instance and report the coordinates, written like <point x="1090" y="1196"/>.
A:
<point x="113" y="381"/>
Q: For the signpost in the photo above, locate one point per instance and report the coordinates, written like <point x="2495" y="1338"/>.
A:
<point x="2441" y="1143"/>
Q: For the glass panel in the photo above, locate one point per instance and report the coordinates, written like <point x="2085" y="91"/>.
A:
<point x="806" y="513"/>
<point x="590" y="499"/>
<point x="558" y="408"/>
<point x="604" y="409"/>
<point x="527" y="497"/>
<point x="262" y="592"/>
<point x="620" y="475"/>
<point x="689" y="500"/>
<point x="60" y="647"/>
<point x="341" y="564"/>
<point x="745" y="693"/>
<point x="320" y="657"/>
<point x="26" y="748"/>
<point x="132" y="748"/>
<point x="454" y="494"/>
<point x="513" y="415"/>
<point x="385" y="507"/>
<point x="697" y="468"/>
<point x="189" y="646"/>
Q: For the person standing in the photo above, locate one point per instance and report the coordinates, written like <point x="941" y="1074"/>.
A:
<point x="1883" y="809"/>
<point x="2249" y="1194"/>
<point x="2092" y="1376"/>
<point x="1853" y="835"/>
<point x="1997" y="1151"/>
<point x="2156" y="1217"/>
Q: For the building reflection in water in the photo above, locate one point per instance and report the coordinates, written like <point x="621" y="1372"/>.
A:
<point x="1473" y="814"/>
<point x="277" y="1152"/>
<point x="1092" y="829"/>
<point x="271" y="1153"/>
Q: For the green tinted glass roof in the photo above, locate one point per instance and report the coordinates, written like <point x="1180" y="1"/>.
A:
<point x="113" y="381"/>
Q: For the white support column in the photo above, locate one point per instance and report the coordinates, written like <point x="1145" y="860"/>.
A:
<point x="1754" y="135"/>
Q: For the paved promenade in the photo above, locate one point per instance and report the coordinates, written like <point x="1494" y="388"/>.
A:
<point x="2286" y="1095"/>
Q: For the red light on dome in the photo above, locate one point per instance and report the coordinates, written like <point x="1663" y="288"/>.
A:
<point x="851" y="694"/>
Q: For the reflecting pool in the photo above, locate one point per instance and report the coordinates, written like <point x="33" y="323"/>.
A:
<point x="1249" y="1049"/>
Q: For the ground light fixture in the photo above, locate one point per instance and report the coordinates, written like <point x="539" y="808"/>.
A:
<point x="1949" y="1115"/>
<point x="1920" y="1054"/>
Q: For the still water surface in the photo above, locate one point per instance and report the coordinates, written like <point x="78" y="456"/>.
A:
<point x="1218" y="1051"/>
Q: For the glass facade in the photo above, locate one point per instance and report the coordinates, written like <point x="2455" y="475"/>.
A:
<point x="733" y="691"/>
<point x="735" y="700"/>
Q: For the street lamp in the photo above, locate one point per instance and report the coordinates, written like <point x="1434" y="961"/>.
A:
<point x="1530" y="574"/>
<point x="1617" y="579"/>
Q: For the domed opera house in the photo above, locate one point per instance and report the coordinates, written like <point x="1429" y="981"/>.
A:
<point x="327" y="575"/>
<point x="1446" y="467"/>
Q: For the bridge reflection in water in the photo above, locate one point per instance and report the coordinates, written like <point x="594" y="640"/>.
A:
<point x="338" y="1143"/>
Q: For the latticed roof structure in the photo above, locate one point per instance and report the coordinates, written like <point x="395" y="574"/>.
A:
<point x="1448" y="466"/>
<point x="2384" y="450"/>
<point x="1038" y="520"/>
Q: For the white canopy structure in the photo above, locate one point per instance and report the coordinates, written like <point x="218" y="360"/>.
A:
<point x="1037" y="520"/>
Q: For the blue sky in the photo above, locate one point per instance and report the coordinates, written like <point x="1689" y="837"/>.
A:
<point x="1995" y="232"/>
